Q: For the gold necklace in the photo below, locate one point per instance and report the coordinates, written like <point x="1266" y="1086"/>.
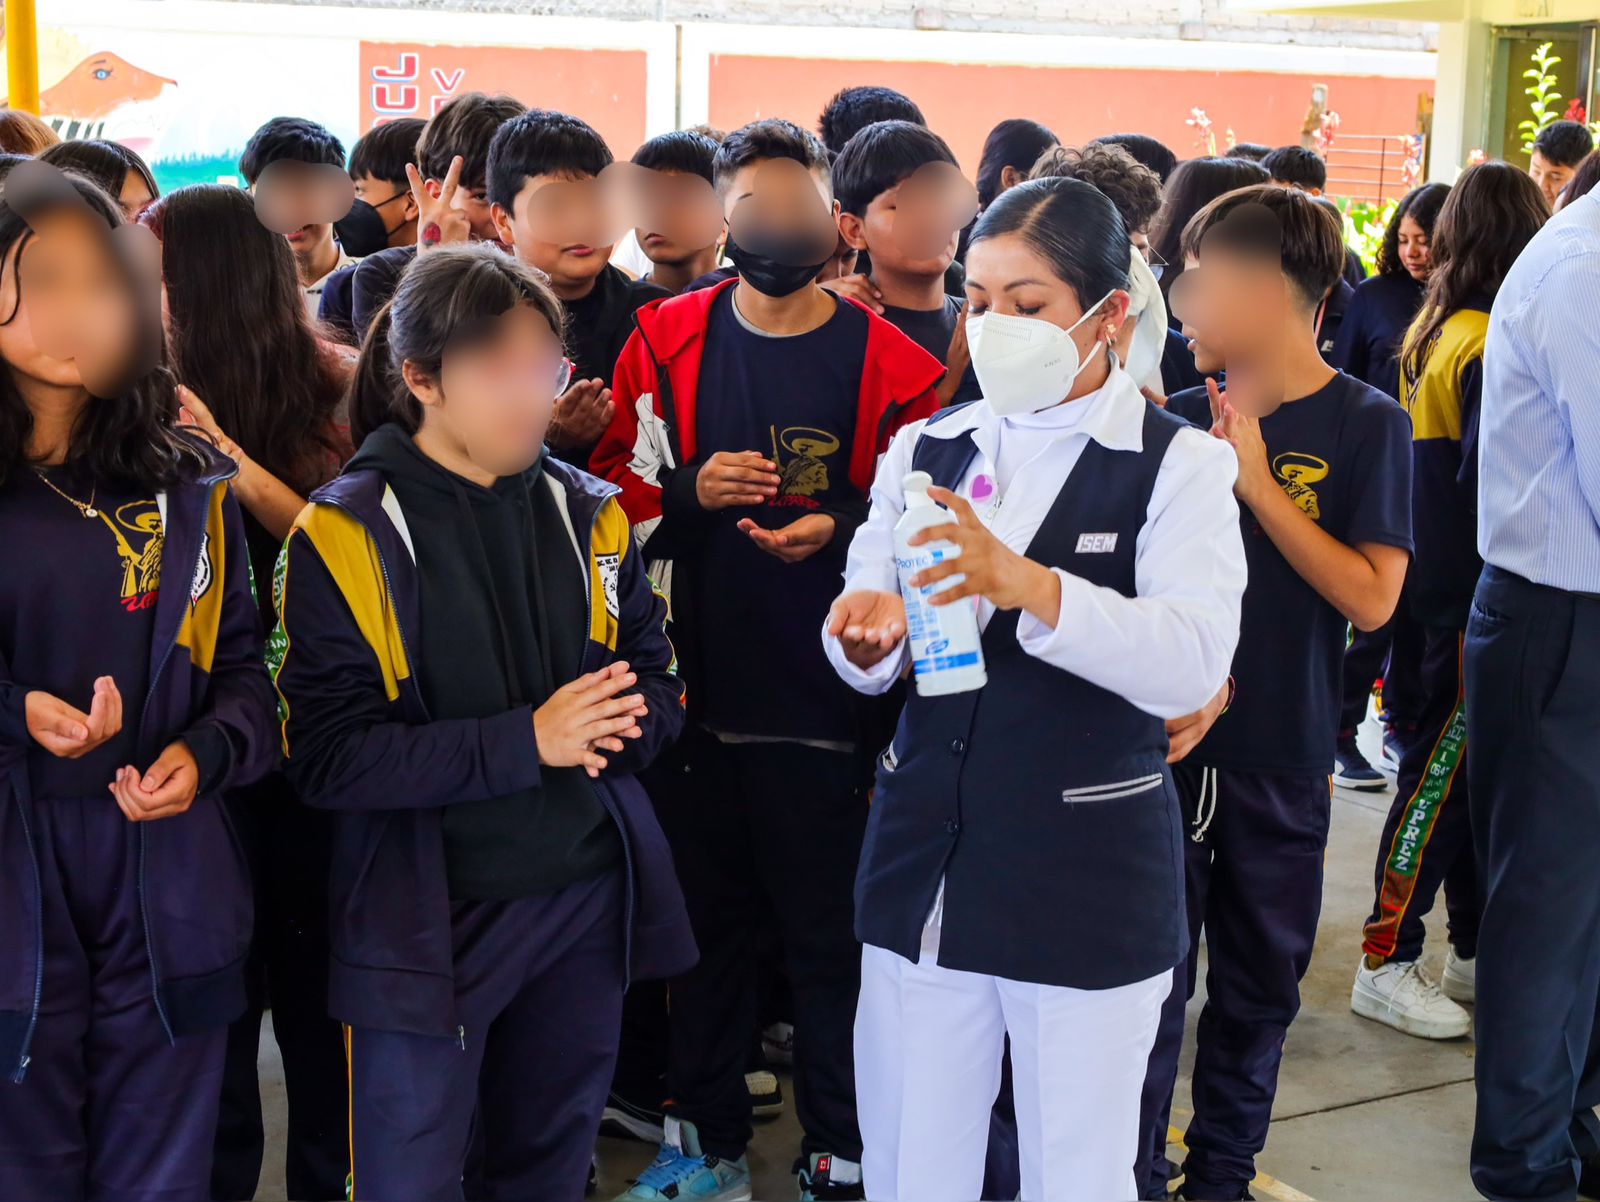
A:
<point x="88" y="511"/>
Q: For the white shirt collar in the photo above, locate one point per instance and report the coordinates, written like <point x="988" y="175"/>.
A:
<point x="1114" y="418"/>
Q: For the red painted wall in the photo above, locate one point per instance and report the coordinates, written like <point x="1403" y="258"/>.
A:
<point x="963" y="101"/>
<point x="604" y="87"/>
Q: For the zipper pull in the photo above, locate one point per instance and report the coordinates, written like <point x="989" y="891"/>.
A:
<point x="461" y="1037"/>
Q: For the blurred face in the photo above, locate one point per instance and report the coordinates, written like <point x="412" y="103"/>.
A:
<point x="1228" y="308"/>
<point x="1005" y="275"/>
<point x="492" y="399"/>
<point x="913" y="228"/>
<point x="1415" y="255"/>
<point x="88" y="308"/>
<point x="554" y="224"/>
<point x="681" y="216"/>
<point x="1551" y="177"/>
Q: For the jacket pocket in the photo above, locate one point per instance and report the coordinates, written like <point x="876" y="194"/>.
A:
<point x="1112" y="791"/>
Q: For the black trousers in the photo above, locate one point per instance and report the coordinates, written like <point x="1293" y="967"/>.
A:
<point x="1427" y="837"/>
<point x="289" y="848"/>
<point x="1394" y="653"/>
<point x="783" y="822"/>
<point x="1533" y="711"/>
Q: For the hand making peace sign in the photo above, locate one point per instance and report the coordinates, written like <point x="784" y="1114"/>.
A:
<point x="439" y="221"/>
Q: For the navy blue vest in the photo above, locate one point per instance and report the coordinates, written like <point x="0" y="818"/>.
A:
<point x="1043" y="801"/>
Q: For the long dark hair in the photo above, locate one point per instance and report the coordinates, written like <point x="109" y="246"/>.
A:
<point x="1194" y="185"/>
<point x="240" y="336"/>
<point x="1422" y="205"/>
<point x="445" y="297"/>
<point x="1493" y="211"/>
<point x="1072" y="226"/>
<point x="127" y="440"/>
<point x="1015" y="143"/>
<point x="107" y="163"/>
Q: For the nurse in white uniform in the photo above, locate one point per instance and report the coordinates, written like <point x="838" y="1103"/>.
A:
<point x="1023" y="869"/>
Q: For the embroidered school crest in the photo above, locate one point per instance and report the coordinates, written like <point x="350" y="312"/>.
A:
<point x="610" y="568"/>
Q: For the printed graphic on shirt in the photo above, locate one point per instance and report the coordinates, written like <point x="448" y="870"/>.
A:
<point x="202" y="571"/>
<point x="802" y="454"/>
<point x="1298" y="472"/>
<point x="136" y="529"/>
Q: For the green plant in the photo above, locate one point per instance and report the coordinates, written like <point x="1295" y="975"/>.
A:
<point x="1544" y="98"/>
<point x="1364" y="224"/>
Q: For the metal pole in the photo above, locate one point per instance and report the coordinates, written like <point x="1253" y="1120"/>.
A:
<point x="22" y="56"/>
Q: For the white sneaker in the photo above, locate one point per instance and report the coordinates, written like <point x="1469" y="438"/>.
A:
<point x="1460" y="978"/>
<point x="1400" y="995"/>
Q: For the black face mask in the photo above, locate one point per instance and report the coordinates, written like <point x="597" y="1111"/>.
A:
<point x="361" y="231"/>
<point x="770" y="275"/>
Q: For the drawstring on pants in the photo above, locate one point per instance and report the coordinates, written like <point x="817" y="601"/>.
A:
<point x="1203" y="816"/>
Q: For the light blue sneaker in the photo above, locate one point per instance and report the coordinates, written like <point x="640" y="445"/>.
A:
<point x="682" y="1173"/>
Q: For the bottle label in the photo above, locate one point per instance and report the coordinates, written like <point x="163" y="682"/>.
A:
<point x="930" y="642"/>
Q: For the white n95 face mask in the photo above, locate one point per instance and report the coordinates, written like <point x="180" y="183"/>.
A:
<point x="1150" y="334"/>
<point x="1025" y="364"/>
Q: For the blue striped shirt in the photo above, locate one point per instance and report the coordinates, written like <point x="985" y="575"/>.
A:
<point x="1539" y="439"/>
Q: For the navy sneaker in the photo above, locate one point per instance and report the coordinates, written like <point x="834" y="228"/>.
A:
<point x="1351" y="770"/>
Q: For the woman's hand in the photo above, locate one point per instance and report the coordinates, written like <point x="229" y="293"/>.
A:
<point x="192" y="411"/>
<point x="868" y="624"/>
<point x="70" y="733"/>
<point x="991" y="569"/>
<point x="588" y="714"/>
<point x="1184" y="734"/>
<point x="166" y="789"/>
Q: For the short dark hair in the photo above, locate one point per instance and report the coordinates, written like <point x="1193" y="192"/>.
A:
<point x="464" y="126"/>
<point x="1128" y="183"/>
<point x="383" y="151"/>
<point x="770" y="138"/>
<point x="1254" y="151"/>
<point x="682" y="150"/>
<point x="1152" y="153"/>
<point x="882" y="156"/>
<point x="1313" y="243"/>
<point x="1016" y="143"/>
<point x="1298" y="166"/>
<point x="542" y="142"/>
<point x="853" y="109"/>
<point x="1422" y="205"/>
<point x="1564" y="143"/>
<point x="1071" y="225"/>
<point x="289" y="138"/>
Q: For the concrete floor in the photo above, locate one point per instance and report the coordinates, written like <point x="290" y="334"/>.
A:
<point x="1363" y="1112"/>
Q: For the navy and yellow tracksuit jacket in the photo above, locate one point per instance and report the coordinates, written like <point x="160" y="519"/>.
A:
<point x="206" y="681"/>
<point x="358" y="740"/>
<point x="1443" y="400"/>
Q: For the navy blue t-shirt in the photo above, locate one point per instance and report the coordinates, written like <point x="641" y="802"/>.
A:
<point x="1374" y="327"/>
<point x="932" y="330"/>
<point x="1344" y="455"/>
<point x="794" y="399"/>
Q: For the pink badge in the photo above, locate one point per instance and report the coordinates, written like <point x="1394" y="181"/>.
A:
<point x="983" y="489"/>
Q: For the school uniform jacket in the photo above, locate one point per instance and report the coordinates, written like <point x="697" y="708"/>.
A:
<point x="1443" y="403"/>
<point x="358" y="740"/>
<point x="650" y="452"/>
<point x="206" y="676"/>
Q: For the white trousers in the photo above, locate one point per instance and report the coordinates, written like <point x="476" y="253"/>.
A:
<point x="929" y="1041"/>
